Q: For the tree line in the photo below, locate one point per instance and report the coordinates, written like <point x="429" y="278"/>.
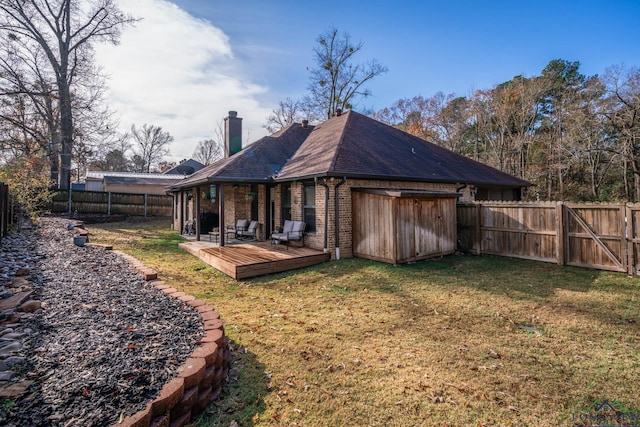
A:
<point x="575" y="137"/>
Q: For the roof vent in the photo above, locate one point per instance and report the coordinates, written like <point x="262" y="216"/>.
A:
<point x="305" y="124"/>
<point x="339" y="112"/>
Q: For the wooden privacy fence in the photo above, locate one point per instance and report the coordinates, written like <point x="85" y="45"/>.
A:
<point x="601" y="236"/>
<point x="107" y="203"/>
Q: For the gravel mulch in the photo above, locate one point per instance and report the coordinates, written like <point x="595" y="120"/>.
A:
<point x="104" y="342"/>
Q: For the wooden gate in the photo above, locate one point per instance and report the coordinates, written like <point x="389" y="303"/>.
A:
<point x="605" y="236"/>
<point x="595" y="236"/>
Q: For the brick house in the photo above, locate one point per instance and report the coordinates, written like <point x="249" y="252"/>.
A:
<point x="311" y="173"/>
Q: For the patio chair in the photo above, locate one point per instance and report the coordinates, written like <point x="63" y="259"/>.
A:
<point x="241" y="225"/>
<point x="189" y="227"/>
<point x="291" y="231"/>
<point x="250" y="232"/>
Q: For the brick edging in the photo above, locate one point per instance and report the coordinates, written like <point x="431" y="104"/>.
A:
<point x="199" y="379"/>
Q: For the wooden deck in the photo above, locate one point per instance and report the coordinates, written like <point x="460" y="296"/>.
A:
<point x="246" y="260"/>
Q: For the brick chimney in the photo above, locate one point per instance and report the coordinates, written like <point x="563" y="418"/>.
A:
<point x="232" y="134"/>
<point x="339" y="112"/>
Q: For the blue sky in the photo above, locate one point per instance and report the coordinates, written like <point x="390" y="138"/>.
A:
<point x="248" y="55"/>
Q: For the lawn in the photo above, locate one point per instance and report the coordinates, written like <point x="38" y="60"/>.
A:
<point x="456" y="341"/>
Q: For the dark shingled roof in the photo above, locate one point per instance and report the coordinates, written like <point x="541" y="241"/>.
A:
<point x="259" y="162"/>
<point x="350" y="145"/>
<point x="183" y="168"/>
<point x="354" y="145"/>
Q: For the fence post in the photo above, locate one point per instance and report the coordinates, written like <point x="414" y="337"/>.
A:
<point x="560" y="232"/>
<point x="479" y="222"/>
<point x="70" y="200"/>
<point x="630" y="235"/>
<point x="109" y="203"/>
<point x="145" y="205"/>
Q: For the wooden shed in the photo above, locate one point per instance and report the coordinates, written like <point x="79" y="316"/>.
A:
<point x="400" y="226"/>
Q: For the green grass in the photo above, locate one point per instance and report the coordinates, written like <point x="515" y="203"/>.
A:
<point x="355" y="342"/>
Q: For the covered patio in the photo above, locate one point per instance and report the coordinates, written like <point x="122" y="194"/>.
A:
<point x="244" y="260"/>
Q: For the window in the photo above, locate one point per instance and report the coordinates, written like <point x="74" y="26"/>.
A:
<point x="285" y="198"/>
<point x="309" y="207"/>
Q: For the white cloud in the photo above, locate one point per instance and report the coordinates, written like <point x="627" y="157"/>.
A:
<point x="176" y="71"/>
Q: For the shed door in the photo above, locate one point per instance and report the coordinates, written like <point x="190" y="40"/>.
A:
<point x="434" y="227"/>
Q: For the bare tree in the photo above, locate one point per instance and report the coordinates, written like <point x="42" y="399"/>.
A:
<point x="591" y="139"/>
<point x="210" y="150"/>
<point x="152" y="145"/>
<point x="165" y="165"/>
<point x="336" y="82"/>
<point x="65" y="31"/>
<point x="28" y="109"/>
<point x="622" y="109"/>
<point x="288" y="112"/>
<point x="114" y="157"/>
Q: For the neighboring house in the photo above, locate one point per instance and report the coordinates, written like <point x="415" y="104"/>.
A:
<point x="362" y="187"/>
<point x="130" y="182"/>
<point x="140" y="183"/>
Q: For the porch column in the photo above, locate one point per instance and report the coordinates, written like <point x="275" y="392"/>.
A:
<point x="221" y="228"/>
<point x="196" y="213"/>
<point x="179" y="212"/>
<point x="182" y="209"/>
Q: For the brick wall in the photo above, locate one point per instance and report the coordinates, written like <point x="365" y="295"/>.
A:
<point x="296" y="201"/>
<point x="277" y="214"/>
<point x="238" y="207"/>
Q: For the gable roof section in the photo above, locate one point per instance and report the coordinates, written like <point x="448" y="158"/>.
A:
<point x="259" y="162"/>
<point x="356" y="146"/>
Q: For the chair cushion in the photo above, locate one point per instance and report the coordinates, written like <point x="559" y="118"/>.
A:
<point x="280" y="236"/>
<point x="288" y="226"/>
<point x="298" y="226"/>
<point x="242" y="224"/>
